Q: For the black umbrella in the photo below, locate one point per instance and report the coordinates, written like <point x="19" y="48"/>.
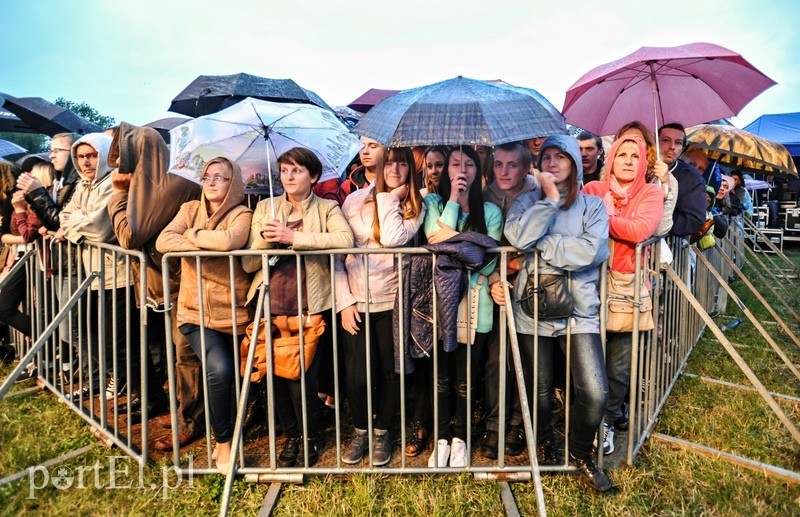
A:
<point x="163" y="125"/>
<point x="211" y="93"/>
<point x="10" y="123"/>
<point x="48" y="118"/>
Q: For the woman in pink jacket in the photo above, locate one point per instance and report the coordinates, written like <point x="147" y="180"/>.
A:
<point x="635" y="208"/>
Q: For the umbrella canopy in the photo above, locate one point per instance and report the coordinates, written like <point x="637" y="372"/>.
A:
<point x="253" y="133"/>
<point x="740" y="149"/>
<point x="211" y="93"/>
<point x="783" y="128"/>
<point x="163" y="125"/>
<point x="461" y="111"/>
<point x="689" y="84"/>
<point x="7" y="148"/>
<point x="10" y="123"/>
<point x="47" y="118"/>
<point x="367" y="100"/>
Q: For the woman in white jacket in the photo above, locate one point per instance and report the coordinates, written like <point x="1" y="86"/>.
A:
<point x="386" y="214"/>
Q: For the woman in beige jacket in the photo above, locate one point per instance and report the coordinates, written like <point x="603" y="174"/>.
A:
<point x="217" y="222"/>
<point x="302" y="221"/>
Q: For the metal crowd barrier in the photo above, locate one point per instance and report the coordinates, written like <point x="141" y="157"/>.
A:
<point x="72" y="303"/>
<point x="85" y="334"/>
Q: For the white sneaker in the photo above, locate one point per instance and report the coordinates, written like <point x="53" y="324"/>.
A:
<point x="458" y="453"/>
<point x="444" y="454"/>
<point x="608" y="439"/>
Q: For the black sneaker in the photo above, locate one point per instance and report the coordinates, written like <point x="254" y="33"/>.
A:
<point x="289" y="454"/>
<point x="30" y="372"/>
<point x="313" y="453"/>
<point x="594" y="477"/>
<point x="515" y="440"/>
<point x="489" y="445"/>
<point x="547" y="454"/>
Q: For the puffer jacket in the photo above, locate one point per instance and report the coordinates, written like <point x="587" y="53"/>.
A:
<point x="226" y="229"/>
<point x="571" y="240"/>
<point x="86" y="217"/>
<point x="324" y="227"/>
<point x="456" y="256"/>
<point x="358" y="210"/>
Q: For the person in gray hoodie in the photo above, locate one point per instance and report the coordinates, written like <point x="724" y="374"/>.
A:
<point x="567" y="232"/>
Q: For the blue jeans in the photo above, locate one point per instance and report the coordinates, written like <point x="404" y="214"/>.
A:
<point x="220" y="371"/>
<point x="588" y="376"/>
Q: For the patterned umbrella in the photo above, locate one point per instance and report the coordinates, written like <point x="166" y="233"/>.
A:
<point x="461" y="111"/>
<point x="253" y="133"/>
<point x="742" y="150"/>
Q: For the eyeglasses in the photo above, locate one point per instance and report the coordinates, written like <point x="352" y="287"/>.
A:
<point x="90" y="156"/>
<point x="59" y="150"/>
<point x="213" y="179"/>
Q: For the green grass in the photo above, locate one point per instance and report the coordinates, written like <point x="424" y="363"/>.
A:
<point x="662" y="481"/>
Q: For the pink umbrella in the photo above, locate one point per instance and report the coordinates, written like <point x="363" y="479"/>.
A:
<point x="689" y="84"/>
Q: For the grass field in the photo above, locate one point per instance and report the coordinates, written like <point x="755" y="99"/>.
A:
<point x="663" y="480"/>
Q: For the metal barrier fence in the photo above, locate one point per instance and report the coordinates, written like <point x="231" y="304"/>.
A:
<point x="86" y="331"/>
<point x="69" y="325"/>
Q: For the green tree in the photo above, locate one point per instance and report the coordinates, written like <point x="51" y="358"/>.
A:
<point x="33" y="142"/>
<point x="87" y="112"/>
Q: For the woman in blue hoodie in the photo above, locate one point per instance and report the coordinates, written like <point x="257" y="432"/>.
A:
<point x="569" y="232"/>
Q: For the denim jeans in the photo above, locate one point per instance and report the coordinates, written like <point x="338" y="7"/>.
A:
<point x="618" y="369"/>
<point x="588" y="379"/>
<point x="220" y="371"/>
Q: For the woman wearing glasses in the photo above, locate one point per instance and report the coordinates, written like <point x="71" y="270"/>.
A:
<point x="302" y="221"/>
<point x="217" y="222"/>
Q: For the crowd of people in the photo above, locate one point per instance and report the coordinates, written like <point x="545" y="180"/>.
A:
<point x="565" y="204"/>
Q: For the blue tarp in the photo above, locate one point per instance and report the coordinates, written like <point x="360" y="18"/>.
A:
<point x="783" y="128"/>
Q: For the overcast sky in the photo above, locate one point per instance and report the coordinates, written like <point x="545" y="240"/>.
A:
<point x="128" y="59"/>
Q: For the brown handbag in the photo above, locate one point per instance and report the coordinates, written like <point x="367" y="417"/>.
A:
<point x="285" y="345"/>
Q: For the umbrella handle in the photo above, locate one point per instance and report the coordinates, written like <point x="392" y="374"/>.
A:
<point x="654" y="88"/>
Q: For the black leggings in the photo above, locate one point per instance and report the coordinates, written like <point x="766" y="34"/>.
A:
<point x="385" y="382"/>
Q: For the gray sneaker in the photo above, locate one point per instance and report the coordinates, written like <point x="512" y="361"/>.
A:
<point x="354" y="451"/>
<point x="381" y="448"/>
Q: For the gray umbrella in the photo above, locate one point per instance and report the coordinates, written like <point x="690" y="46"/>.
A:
<point x="461" y="111"/>
<point x="8" y="148"/>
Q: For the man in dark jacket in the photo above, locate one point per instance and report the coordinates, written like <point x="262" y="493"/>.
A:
<point x="47" y="205"/>
<point x="690" y="208"/>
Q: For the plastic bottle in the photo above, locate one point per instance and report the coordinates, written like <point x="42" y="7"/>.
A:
<point x="732" y="325"/>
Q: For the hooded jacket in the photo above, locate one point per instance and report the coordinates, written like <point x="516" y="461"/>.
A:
<point x="152" y="200"/>
<point x="637" y="213"/>
<point x="324" y="227"/>
<point x="226" y="229"/>
<point x="571" y="240"/>
<point x="86" y="217"/>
